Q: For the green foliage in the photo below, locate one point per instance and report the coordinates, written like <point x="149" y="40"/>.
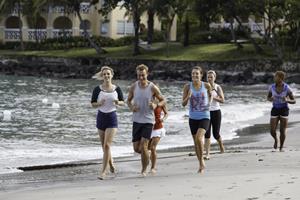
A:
<point x="214" y="36"/>
<point x="123" y="41"/>
<point x="158" y="36"/>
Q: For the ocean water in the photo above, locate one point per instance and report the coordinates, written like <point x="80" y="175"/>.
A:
<point x="48" y="121"/>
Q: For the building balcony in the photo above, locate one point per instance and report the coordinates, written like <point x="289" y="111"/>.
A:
<point x="37" y="34"/>
<point x="56" y="33"/>
<point x="85" y="8"/>
<point x="12" y="34"/>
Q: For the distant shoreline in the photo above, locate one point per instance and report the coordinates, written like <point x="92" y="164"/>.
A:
<point x="233" y="72"/>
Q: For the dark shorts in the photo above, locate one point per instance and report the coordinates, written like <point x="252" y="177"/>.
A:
<point x="106" y="120"/>
<point x="279" y="112"/>
<point x="215" y="124"/>
<point x="140" y="131"/>
<point x="196" y="124"/>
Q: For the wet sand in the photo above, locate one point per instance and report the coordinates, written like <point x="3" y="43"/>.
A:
<point x="249" y="170"/>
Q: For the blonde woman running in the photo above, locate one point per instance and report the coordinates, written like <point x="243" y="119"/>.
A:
<point x="215" y="114"/>
<point x="106" y="97"/>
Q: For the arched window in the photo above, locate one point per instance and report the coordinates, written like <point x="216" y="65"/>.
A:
<point x="62" y="27"/>
<point x="12" y="22"/>
<point x="62" y="23"/>
<point x="39" y="23"/>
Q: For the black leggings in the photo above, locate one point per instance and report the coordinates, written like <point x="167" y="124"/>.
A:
<point x="215" y="123"/>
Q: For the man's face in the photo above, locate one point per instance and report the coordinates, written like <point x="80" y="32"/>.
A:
<point x="142" y="75"/>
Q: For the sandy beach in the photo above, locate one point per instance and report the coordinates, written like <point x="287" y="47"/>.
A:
<point x="249" y="170"/>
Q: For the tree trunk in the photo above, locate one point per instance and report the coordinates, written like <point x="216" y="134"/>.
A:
<point x="297" y="37"/>
<point x="150" y="26"/>
<point x="239" y="46"/>
<point x="169" y="26"/>
<point x="98" y="49"/>
<point x="20" y="27"/>
<point x="136" y="23"/>
<point x="186" y="39"/>
<point x="258" y="49"/>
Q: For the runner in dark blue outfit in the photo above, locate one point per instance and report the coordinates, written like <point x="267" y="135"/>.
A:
<point x="281" y="95"/>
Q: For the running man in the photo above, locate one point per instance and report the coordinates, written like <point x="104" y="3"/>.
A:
<point x="141" y="102"/>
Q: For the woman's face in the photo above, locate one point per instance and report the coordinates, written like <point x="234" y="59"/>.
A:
<point x="277" y="79"/>
<point x="210" y="78"/>
<point x="196" y="75"/>
<point x="107" y="75"/>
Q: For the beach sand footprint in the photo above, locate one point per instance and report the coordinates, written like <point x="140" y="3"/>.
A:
<point x="252" y="198"/>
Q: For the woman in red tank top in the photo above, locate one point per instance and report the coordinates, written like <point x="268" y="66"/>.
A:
<point x="157" y="132"/>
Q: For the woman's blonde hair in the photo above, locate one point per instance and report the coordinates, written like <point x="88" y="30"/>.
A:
<point x="99" y="75"/>
<point x="212" y="72"/>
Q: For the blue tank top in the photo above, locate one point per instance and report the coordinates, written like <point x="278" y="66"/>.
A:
<point x="279" y="101"/>
<point x="199" y="103"/>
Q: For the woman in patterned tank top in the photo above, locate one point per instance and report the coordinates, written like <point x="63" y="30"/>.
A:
<point x="198" y="94"/>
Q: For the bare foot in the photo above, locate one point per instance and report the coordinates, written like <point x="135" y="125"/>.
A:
<point x="206" y="157"/>
<point x="201" y="170"/>
<point x="144" y="174"/>
<point x="222" y="149"/>
<point x="102" y="176"/>
<point x="112" y="169"/>
<point x="202" y="166"/>
<point x="281" y="149"/>
<point x="153" y="171"/>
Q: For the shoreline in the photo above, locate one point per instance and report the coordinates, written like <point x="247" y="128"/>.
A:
<point x="244" y="72"/>
<point x="245" y="164"/>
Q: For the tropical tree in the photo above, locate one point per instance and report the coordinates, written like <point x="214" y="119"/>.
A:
<point x="135" y="9"/>
<point x="238" y="10"/>
<point x="151" y="10"/>
<point x="207" y="11"/>
<point x="293" y="19"/>
<point x="167" y="11"/>
<point x="71" y="6"/>
<point x="185" y="16"/>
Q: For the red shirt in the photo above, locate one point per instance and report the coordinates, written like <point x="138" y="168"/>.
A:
<point x="157" y="114"/>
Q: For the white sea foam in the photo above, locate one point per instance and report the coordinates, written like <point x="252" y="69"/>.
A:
<point x="45" y="101"/>
<point x="55" y="105"/>
<point x="40" y="134"/>
<point x="6" y="115"/>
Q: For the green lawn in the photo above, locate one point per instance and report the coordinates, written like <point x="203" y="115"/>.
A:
<point x="204" y="52"/>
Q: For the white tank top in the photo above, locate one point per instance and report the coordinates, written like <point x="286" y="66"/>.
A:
<point x="109" y="97"/>
<point x="142" y="97"/>
<point x="214" y="105"/>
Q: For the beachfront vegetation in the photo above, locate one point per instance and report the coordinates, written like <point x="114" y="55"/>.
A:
<point x="203" y="52"/>
<point x="281" y="19"/>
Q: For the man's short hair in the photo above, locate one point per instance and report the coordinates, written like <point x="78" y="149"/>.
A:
<point x="142" y="67"/>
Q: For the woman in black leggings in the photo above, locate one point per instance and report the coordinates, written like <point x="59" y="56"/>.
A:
<point x="215" y="114"/>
